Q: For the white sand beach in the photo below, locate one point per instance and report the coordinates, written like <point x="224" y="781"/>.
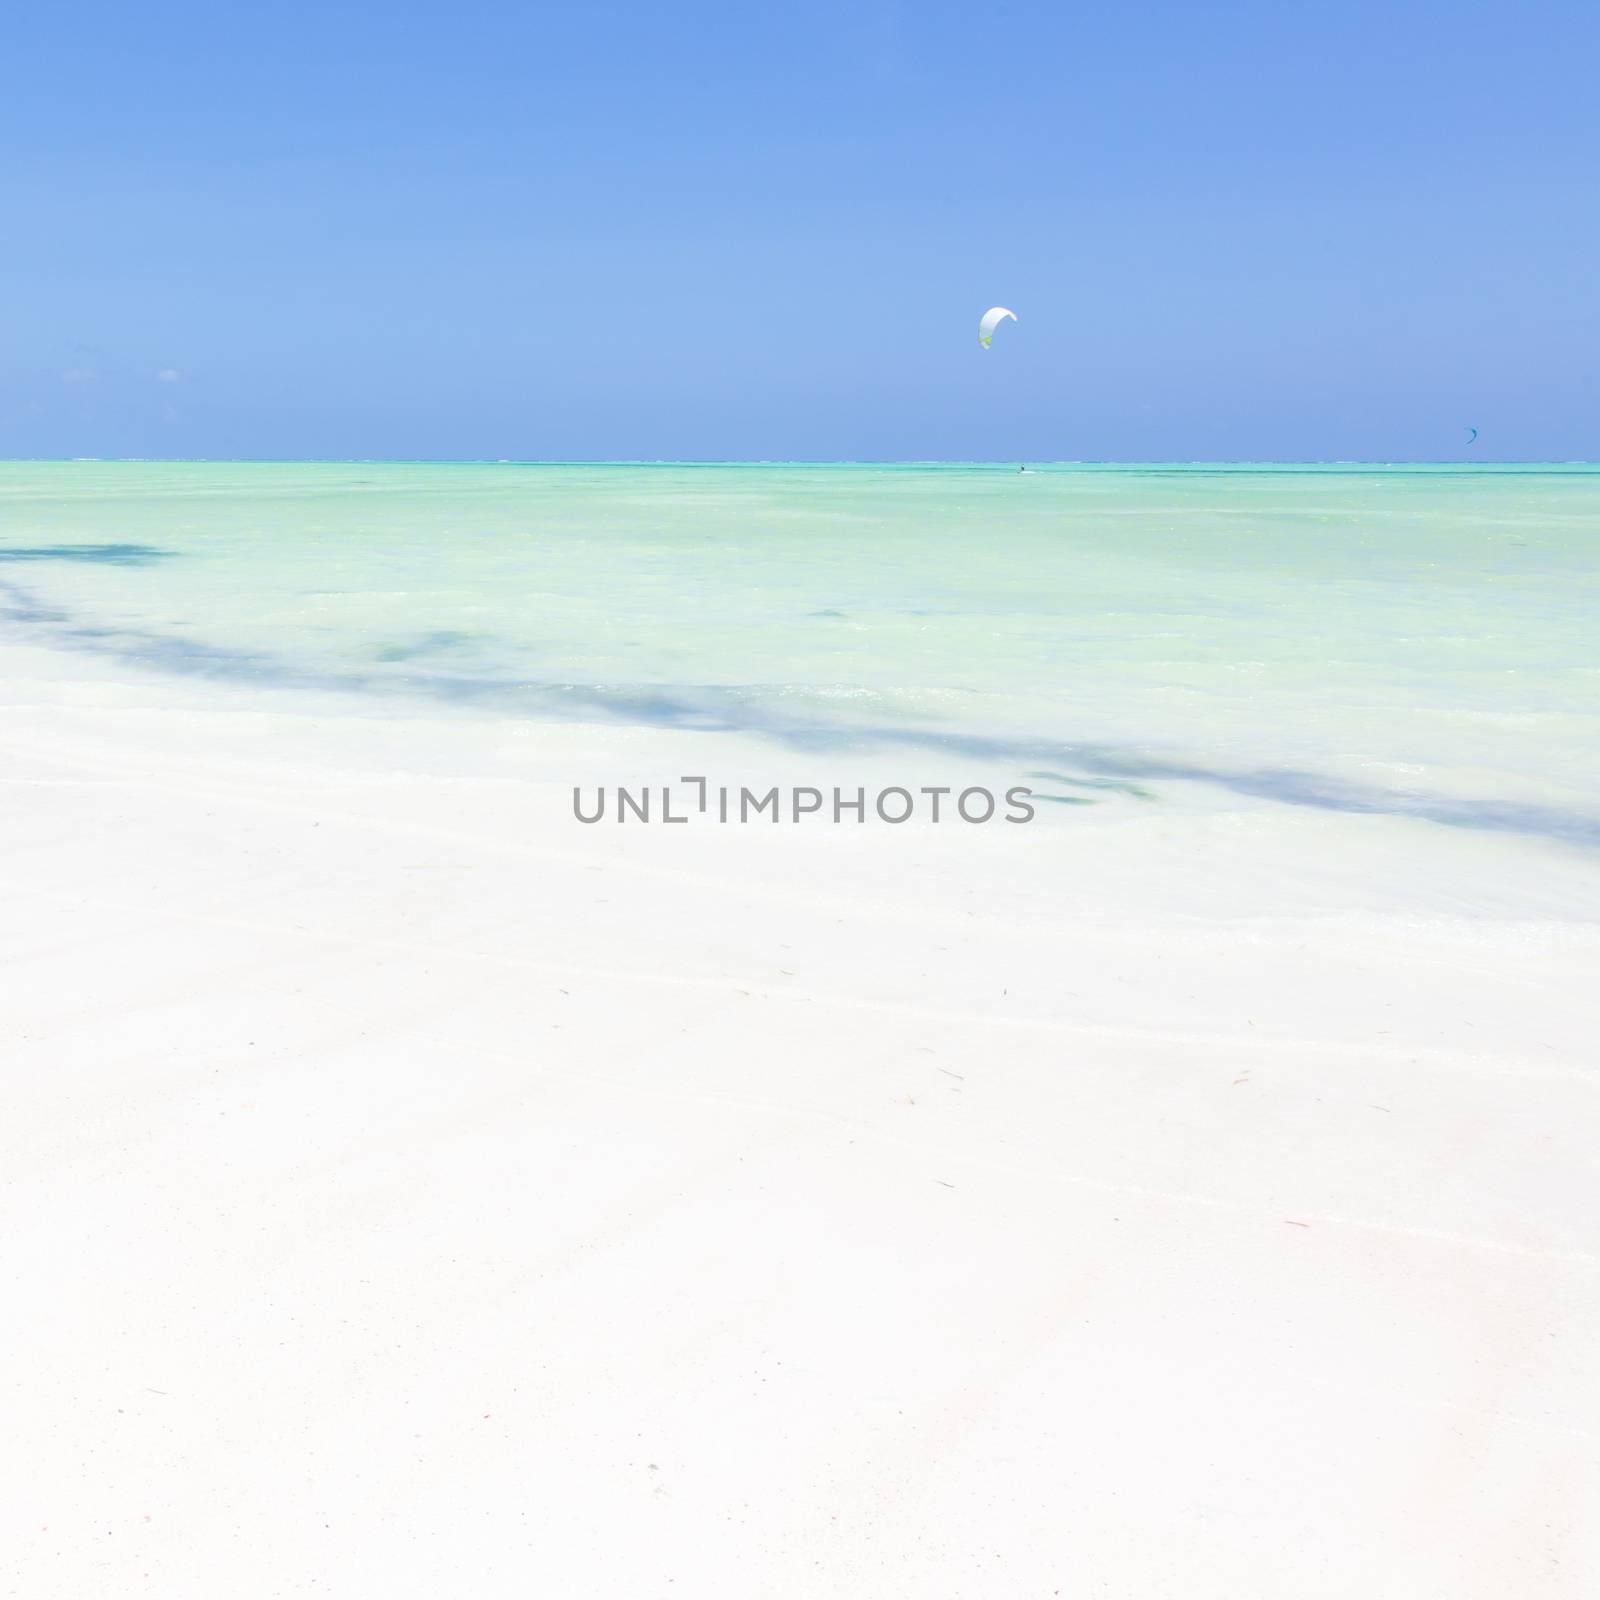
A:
<point x="410" y="1191"/>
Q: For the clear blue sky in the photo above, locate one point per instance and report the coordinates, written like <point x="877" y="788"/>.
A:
<point x="741" y="231"/>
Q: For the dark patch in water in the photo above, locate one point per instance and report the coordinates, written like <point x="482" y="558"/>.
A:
<point x="430" y="644"/>
<point x="111" y="555"/>
<point x="1095" y="783"/>
<point x="839" y="614"/>
<point x="1065" y="799"/>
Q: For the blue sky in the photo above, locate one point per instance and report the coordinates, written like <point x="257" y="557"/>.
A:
<point x="734" y="231"/>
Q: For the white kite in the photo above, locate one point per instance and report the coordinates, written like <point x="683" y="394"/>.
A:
<point x="992" y="320"/>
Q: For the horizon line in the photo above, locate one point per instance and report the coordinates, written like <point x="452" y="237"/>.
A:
<point x="779" y="461"/>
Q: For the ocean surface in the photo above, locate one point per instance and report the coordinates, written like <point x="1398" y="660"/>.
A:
<point x="1418" y="640"/>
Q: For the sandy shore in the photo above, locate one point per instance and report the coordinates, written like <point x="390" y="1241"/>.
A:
<point x="412" y="1192"/>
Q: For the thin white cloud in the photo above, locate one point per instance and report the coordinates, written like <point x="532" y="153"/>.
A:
<point x="168" y="375"/>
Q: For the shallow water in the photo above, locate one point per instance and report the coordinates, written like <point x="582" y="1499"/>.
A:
<point x="1414" y="639"/>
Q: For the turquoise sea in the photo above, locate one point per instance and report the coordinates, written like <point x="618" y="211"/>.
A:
<point x="1419" y="640"/>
